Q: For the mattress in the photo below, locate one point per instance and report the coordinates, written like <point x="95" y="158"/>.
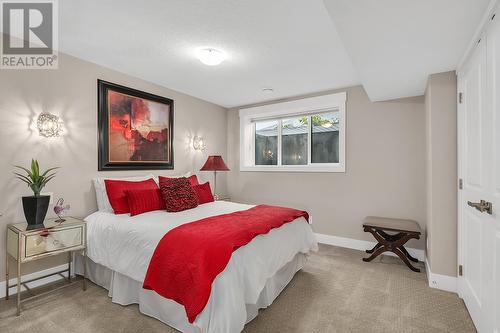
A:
<point x="124" y="245"/>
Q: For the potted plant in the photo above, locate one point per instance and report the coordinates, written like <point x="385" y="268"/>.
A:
<point x="35" y="207"/>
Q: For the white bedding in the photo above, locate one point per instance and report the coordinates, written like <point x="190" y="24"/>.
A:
<point x="125" y="245"/>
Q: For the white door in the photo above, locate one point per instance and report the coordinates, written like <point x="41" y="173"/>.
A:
<point x="472" y="231"/>
<point x="479" y="169"/>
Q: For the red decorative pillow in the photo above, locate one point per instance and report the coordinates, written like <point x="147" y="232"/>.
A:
<point x="204" y="193"/>
<point x="116" y="190"/>
<point x="193" y="180"/>
<point x="178" y="194"/>
<point x="142" y="201"/>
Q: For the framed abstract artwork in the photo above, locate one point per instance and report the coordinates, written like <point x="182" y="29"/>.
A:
<point x="135" y="129"/>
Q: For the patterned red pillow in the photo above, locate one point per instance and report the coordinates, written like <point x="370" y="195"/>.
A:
<point x="204" y="193"/>
<point x="193" y="179"/>
<point x="142" y="201"/>
<point x="178" y="194"/>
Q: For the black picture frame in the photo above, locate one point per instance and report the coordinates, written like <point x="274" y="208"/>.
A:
<point x="104" y="163"/>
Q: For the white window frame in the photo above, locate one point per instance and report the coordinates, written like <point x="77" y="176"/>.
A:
<point x="302" y="107"/>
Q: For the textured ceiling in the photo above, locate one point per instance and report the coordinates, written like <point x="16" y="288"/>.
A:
<point x="289" y="45"/>
<point x="294" y="46"/>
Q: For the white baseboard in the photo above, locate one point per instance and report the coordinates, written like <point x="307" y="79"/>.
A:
<point x="34" y="284"/>
<point x="362" y="245"/>
<point x="438" y="281"/>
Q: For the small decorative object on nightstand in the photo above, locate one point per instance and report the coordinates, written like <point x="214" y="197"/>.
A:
<point x="25" y="245"/>
<point x="222" y="198"/>
<point x="61" y="209"/>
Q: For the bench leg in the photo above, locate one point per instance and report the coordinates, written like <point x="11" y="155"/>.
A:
<point x="402" y="248"/>
<point x="405" y="260"/>
<point x="374" y="248"/>
<point x="394" y="243"/>
<point x="393" y="238"/>
<point x="375" y="254"/>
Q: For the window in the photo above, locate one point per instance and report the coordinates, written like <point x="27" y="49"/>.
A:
<point x="294" y="141"/>
<point x="325" y="138"/>
<point x="304" y="135"/>
<point x="266" y="143"/>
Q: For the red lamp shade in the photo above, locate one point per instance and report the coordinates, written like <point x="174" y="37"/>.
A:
<point x="214" y="163"/>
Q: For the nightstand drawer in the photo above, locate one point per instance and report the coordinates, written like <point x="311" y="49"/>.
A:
<point x="51" y="241"/>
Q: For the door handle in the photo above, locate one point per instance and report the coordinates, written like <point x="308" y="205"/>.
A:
<point x="482" y="206"/>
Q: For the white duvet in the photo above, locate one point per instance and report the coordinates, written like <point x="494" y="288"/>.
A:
<point x="126" y="244"/>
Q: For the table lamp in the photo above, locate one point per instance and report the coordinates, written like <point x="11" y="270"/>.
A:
<point x="214" y="163"/>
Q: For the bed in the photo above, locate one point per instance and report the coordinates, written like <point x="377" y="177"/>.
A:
<point x="120" y="248"/>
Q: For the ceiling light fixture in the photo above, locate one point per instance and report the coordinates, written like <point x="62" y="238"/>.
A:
<point x="211" y="57"/>
<point x="267" y="90"/>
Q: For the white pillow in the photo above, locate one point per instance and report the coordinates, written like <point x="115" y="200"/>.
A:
<point x="101" y="194"/>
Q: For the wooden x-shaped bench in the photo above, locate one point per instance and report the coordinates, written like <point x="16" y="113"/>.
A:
<point x="403" y="230"/>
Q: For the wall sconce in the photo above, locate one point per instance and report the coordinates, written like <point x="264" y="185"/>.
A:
<point x="199" y="143"/>
<point x="49" y="125"/>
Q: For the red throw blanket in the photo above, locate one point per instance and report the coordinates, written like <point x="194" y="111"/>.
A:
<point x="188" y="258"/>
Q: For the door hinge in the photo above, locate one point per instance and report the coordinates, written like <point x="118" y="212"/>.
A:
<point x="460" y="184"/>
<point x="460" y="270"/>
<point x="460" y="98"/>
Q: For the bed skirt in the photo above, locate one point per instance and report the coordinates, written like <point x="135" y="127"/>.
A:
<point x="125" y="291"/>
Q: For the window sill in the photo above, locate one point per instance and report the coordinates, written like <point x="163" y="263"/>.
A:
<point x="294" y="168"/>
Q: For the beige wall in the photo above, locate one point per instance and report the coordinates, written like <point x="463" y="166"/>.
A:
<point x="385" y="170"/>
<point x="71" y="92"/>
<point x="441" y="167"/>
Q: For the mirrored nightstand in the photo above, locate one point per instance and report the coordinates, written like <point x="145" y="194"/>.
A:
<point x="25" y="245"/>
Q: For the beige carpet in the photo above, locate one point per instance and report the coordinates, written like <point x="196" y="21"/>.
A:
<point x="335" y="292"/>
